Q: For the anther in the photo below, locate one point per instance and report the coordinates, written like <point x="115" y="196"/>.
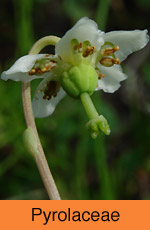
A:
<point x="116" y="61"/>
<point x="51" y="90"/>
<point x="89" y="51"/>
<point x="108" y="62"/>
<point x="33" y="71"/>
<point x="43" y="69"/>
<point x="88" y="48"/>
<point x="100" y="76"/>
<point x="116" y="48"/>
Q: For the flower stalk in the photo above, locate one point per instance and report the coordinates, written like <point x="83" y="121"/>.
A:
<point x="88" y="106"/>
<point x="28" y="113"/>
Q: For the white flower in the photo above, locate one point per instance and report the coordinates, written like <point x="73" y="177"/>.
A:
<point x="84" y="43"/>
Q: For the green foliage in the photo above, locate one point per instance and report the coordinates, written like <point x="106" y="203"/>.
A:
<point x="76" y="9"/>
<point x="102" y="13"/>
<point x="23" y="20"/>
<point x="143" y="3"/>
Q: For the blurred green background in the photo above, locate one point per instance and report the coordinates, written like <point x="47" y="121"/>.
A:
<point x="113" y="167"/>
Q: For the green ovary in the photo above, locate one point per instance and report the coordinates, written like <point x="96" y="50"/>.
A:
<point x="79" y="79"/>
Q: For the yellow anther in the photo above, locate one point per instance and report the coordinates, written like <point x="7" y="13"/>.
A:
<point x="116" y="61"/>
<point x="33" y="71"/>
<point x="43" y="69"/>
<point x="116" y="48"/>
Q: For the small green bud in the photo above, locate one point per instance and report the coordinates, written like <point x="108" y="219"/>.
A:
<point x="79" y="79"/>
<point x="98" y="124"/>
<point x="30" y="141"/>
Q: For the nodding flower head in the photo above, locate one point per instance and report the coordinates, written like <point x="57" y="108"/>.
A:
<point x="86" y="59"/>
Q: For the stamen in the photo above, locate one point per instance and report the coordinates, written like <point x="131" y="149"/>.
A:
<point x="89" y="51"/>
<point x="100" y="76"/>
<point x="109" y="51"/>
<point x="51" y="90"/>
<point x="83" y="47"/>
<point x="108" y="62"/>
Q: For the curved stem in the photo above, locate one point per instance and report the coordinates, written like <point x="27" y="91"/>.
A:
<point x="29" y="117"/>
<point x="43" y="42"/>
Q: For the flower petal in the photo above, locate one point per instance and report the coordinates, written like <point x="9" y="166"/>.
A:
<point x="128" y="41"/>
<point x="112" y="78"/>
<point x="44" y="107"/>
<point x="19" y="70"/>
<point x="84" y="29"/>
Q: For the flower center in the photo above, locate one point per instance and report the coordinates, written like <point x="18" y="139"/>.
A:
<point x="51" y="90"/>
<point x="85" y="48"/>
<point x="41" y="66"/>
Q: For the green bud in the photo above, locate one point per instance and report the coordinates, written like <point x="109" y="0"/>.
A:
<point x="30" y="141"/>
<point x="79" y="79"/>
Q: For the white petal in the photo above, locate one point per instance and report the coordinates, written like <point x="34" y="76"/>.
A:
<point x="84" y="29"/>
<point x="128" y="41"/>
<point x="43" y="107"/>
<point x="19" y="70"/>
<point x="113" y="76"/>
